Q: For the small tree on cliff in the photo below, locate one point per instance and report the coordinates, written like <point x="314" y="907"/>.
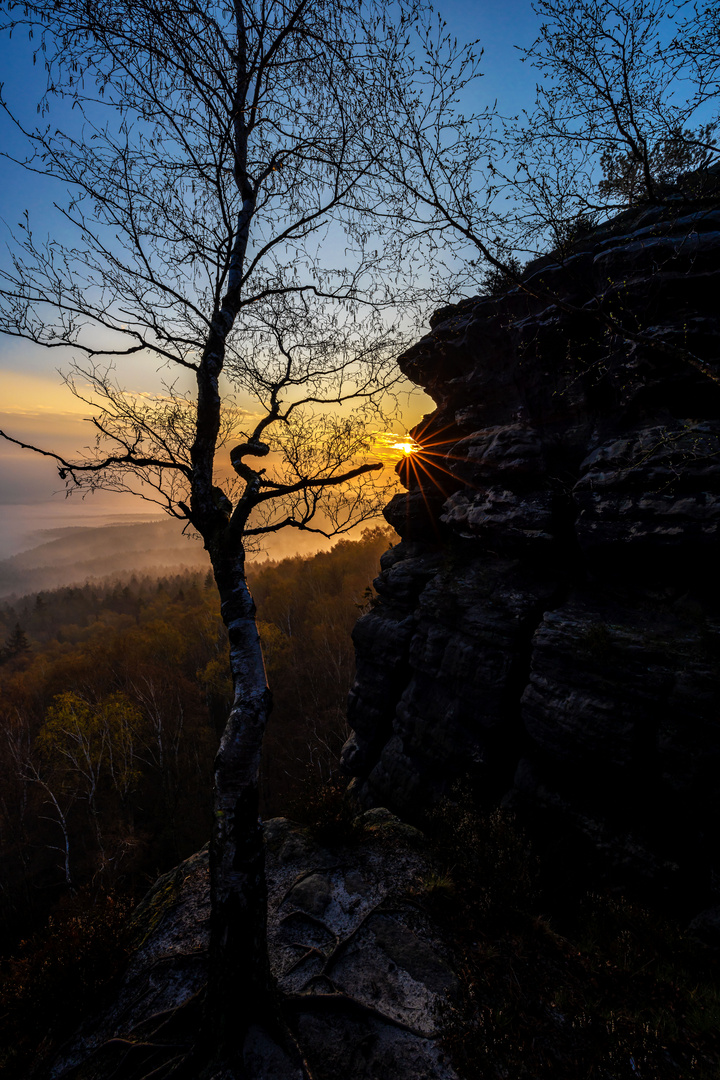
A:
<point x="629" y="102"/>
<point x="621" y="90"/>
<point x="226" y="201"/>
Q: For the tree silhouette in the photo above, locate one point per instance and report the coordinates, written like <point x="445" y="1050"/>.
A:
<point x="16" y="643"/>
<point x="227" y="170"/>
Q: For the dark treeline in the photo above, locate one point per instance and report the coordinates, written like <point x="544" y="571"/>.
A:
<point x="112" y="698"/>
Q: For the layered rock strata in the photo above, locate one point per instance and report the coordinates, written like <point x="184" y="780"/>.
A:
<point x="550" y="621"/>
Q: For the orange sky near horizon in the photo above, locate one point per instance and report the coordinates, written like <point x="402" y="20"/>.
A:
<point x="36" y="407"/>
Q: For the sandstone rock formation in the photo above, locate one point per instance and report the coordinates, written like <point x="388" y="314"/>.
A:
<point x="358" y="963"/>
<point x="550" y="621"/>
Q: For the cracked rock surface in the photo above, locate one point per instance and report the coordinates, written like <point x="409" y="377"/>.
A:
<point x="361" y="967"/>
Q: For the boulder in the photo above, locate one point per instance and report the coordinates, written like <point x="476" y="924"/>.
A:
<point x="361" y="967"/>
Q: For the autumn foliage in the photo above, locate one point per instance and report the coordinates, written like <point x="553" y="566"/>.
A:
<point x="110" y="719"/>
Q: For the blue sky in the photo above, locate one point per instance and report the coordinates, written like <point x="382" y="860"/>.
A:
<point x="33" y="404"/>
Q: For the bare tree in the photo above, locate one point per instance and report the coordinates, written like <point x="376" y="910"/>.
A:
<point x="696" y="47"/>
<point x="226" y="165"/>
<point x="627" y="102"/>
<point x="251" y="184"/>
<point x="623" y="109"/>
<point x="59" y="799"/>
<point x="624" y="87"/>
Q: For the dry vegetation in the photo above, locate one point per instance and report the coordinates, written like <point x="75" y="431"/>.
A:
<point x="584" y="984"/>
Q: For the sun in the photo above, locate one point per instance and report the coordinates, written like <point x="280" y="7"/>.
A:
<point x="392" y="447"/>
<point x="405" y="446"/>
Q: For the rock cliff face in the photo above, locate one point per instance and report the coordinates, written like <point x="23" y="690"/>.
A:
<point x="550" y="621"/>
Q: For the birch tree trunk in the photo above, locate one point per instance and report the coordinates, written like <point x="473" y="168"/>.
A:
<point x="243" y="1013"/>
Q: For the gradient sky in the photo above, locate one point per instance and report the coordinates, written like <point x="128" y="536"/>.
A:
<point x="34" y="404"/>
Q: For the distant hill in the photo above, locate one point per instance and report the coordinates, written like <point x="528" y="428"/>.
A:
<point x="73" y="555"/>
<point x="78" y="553"/>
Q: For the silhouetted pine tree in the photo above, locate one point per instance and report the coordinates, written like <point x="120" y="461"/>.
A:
<point x="17" y="643"/>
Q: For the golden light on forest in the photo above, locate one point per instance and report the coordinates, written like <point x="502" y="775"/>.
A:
<point x="392" y="447"/>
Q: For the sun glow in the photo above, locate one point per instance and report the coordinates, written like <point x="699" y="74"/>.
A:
<point x="392" y="447"/>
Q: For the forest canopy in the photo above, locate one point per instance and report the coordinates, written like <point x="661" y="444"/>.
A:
<point x="111" y="711"/>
